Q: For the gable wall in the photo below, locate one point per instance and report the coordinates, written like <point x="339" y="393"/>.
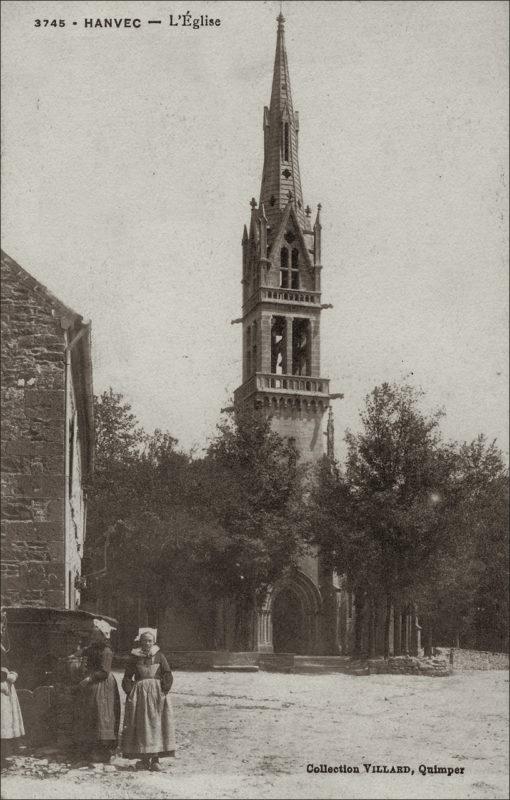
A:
<point x="32" y="445"/>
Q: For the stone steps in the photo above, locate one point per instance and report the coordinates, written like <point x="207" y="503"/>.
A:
<point x="223" y="661"/>
<point x="236" y="668"/>
<point x="320" y="665"/>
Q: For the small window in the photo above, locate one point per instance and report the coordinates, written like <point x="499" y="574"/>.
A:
<point x="284" y="268"/>
<point x="285" y="141"/>
<point x="295" y="270"/>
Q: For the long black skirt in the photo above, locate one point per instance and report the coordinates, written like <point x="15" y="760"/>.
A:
<point x="96" y="714"/>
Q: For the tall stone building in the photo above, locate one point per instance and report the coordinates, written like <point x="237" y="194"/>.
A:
<point x="281" y="317"/>
<point x="47" y="442"/>
<point x="310" y="610"/>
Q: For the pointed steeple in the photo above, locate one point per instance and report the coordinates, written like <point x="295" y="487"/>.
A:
<point x="281" y="167"/>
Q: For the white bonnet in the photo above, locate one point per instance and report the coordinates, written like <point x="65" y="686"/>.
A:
<point x="154" y="632"/>
<point x="104" y="627"/>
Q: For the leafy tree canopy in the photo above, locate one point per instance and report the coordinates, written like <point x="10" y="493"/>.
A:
<point x="219" y="523"/>
<point x="410" y="515"/>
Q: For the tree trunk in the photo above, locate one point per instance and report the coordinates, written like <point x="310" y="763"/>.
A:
<point x="251" y="619"/>
<point x="387" y="625"/>
<point x="405" y="630"/>
<point x="428" y="638"/>
<point x="359" y="605"/>
<point x="329" y="614"/>
<point x="397" y="629"/>
<point x="371" y="628"/>
<point x="238" y="626"/>
<point x="215" y="627"/>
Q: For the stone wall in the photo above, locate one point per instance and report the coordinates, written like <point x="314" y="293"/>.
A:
<point x="446" y="661"/>
<point x="435" y="667"/>
<point x="179" y="660"/>
<point x="198" y="660"/>
<point x="476" y="659"/>
<point x="32" y="440"/>
<point x="276" y="662"/>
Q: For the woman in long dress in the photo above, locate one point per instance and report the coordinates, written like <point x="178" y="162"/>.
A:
<point x="97" y="702"/>
<point x="148" y="721"/>
<point x="11" y="720"/>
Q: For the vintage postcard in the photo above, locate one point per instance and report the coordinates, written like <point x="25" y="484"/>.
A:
<point x="254" y="399"/>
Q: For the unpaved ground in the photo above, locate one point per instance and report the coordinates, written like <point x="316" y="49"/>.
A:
<point x="253" y="735"/>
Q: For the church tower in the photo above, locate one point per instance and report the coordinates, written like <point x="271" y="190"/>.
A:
<point x="281" y="316"/>
<point x="282" y="283"/>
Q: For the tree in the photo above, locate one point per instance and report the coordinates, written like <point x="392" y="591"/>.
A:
<point x="215" y="528"/>
<point x="464" y="596"/>
<point x="380" y="519"/>
<point x="135" y="473"/>
<point x="252" y="482"/>
<point x="118" y="435"/>
<point x="119" y="440"/>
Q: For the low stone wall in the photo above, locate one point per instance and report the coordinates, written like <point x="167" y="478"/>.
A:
<point x="207" y="659"/>
<point x="200" y="659"/>
<point x="276" y="662"/>
<point x="197" y="659"/>
<point x="437" y="666"/>
<point x="285" y="662"/>
<point x="243" y="659"/>
<point x="476" y="659"/>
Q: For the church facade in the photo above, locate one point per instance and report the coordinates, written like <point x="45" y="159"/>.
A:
<point x="310" y="610"/>
<point x="307" y="611"/>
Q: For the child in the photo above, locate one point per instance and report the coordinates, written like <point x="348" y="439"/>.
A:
<point x="11" y="720"/>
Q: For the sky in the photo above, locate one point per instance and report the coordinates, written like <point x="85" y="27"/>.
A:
<point x="130" y="156"/>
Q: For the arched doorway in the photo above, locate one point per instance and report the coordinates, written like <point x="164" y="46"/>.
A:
<point x="288" y="621"/>
<point x="289" y="628"/>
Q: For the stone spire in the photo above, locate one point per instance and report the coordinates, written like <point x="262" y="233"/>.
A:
<point x="281" y="124"/>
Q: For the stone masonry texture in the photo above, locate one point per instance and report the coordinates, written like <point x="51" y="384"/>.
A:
<point x="32" y="443"/>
